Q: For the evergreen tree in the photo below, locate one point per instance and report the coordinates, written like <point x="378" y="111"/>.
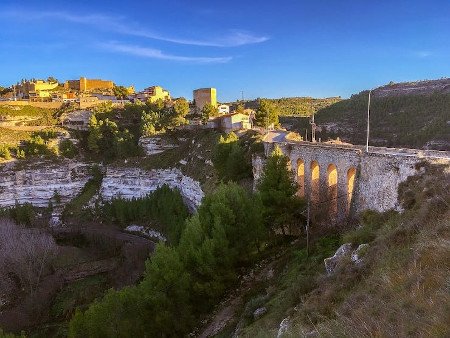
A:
<point x="277" y="190"/>
<point x="208" y="111"/>
<point x="230" y="160"/>
<point x="266" y="114"/>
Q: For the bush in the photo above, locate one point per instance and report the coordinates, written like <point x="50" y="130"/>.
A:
<point x="23" y="214"/>
<point x="371" y="221"/>
<point x="4" y="152"/>
<point x="68" y="149"/>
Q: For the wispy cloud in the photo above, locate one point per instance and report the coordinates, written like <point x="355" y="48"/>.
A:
<point x="158" y="54"/>
<point x="233" y="38"/>
<point x="422" y="54"/>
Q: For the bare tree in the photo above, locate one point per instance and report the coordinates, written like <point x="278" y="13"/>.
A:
<point x="26" y="254"/>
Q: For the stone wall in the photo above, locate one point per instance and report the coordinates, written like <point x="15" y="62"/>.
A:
<point x="37" y="184"/>
<point x="133" y="182"/>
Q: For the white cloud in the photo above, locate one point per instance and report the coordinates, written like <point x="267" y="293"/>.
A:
<point x="234" y="38"/>
<point x="158" y="54"/>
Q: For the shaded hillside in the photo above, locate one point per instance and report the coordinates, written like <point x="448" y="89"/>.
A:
<point x="413" y="115"/>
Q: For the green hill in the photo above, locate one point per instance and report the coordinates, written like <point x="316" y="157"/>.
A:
<point x="295" y="106"/>
<point x="413" y="115"/>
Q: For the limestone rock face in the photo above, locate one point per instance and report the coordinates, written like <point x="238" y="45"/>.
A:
<point x="332" y="262"/>
<point x="359" y="253"/>
<point x="284" y="326"/>
<point x="38" y="184"/>
<point x="155" y="145"/>
<point x="345" y="250"/>
<point x="146" y="231"/>
<point x="133" y="182"/>
<point x="259" y="312"/>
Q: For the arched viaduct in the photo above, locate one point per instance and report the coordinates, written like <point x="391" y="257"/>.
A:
<point x="341" y="179"/>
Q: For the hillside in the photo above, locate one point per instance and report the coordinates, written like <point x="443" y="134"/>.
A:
<point x="296" y="106"/>
<point x="412" y="115"/>
<point x="397" y="287"/>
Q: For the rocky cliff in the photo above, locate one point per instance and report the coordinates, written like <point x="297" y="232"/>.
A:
<point x="133" y="182"/>
<point x="41" y="183"/>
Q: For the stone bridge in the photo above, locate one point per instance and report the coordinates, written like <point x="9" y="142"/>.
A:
<point x="341" y="180"/>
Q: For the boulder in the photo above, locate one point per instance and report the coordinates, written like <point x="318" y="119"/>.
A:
<point x="359" y="253"/>
<point x="284" y="326"/>
<point x="331" y="263"/>
<point x="259" y="312"/>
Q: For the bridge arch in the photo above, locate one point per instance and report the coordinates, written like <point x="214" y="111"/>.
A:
<point x="351" y="175"/>
<point x="315" y="183"/>
<point x="301" y="177"/>
<point x="332" y="188"/>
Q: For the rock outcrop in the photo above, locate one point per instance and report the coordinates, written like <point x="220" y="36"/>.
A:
<point x="332" y="262"/>
<point x="41" y="183"/>
<point x="134" y="183"/>
<point x="155" y="145"/>
<point x="284" y="327"/>
<point x="345" y="252"/>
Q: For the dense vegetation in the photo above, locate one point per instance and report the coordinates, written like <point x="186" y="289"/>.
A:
<point x="163" y="209"/>
<point x="114" y="132"/>
<point x="413" y="121"/>
<point x="230" y="159"/>
<point x="294" y="106"/>
<point x="184" y="280"/>
<point x="23" y="214"/>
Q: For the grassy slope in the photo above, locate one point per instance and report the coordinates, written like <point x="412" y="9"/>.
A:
<point x="397" y="121"/>
<point x="400" y="290"/>
<point x="13" y="137"/>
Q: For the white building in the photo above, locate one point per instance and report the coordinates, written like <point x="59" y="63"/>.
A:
<point x="224" y="109"/>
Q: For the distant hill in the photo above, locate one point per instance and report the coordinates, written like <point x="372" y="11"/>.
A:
<point x="296" y="106"/>
<point x="410" y="114"/>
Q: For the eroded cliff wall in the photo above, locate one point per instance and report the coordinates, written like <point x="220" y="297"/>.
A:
<point x="42" y="182"/>
<point x="134" y="182"/>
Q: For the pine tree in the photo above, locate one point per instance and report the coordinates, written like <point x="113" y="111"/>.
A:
<point x="278" y="190"/>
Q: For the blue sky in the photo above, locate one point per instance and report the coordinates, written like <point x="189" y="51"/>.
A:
<point x="281" y="48"/>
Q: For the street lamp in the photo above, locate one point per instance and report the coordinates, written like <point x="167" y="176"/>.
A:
<point x="368" y="120"/>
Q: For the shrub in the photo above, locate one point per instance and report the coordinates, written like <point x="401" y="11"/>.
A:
<point x="371" y="221"/>
<point x="68" y="149"/>
<point x="4" y="152"/>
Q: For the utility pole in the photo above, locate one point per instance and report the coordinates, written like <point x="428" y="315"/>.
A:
<point x="313" y="128"/>
<point x="307" y="229"/>
<point x="368" y="120"/>
<point x="242" y="95"/>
